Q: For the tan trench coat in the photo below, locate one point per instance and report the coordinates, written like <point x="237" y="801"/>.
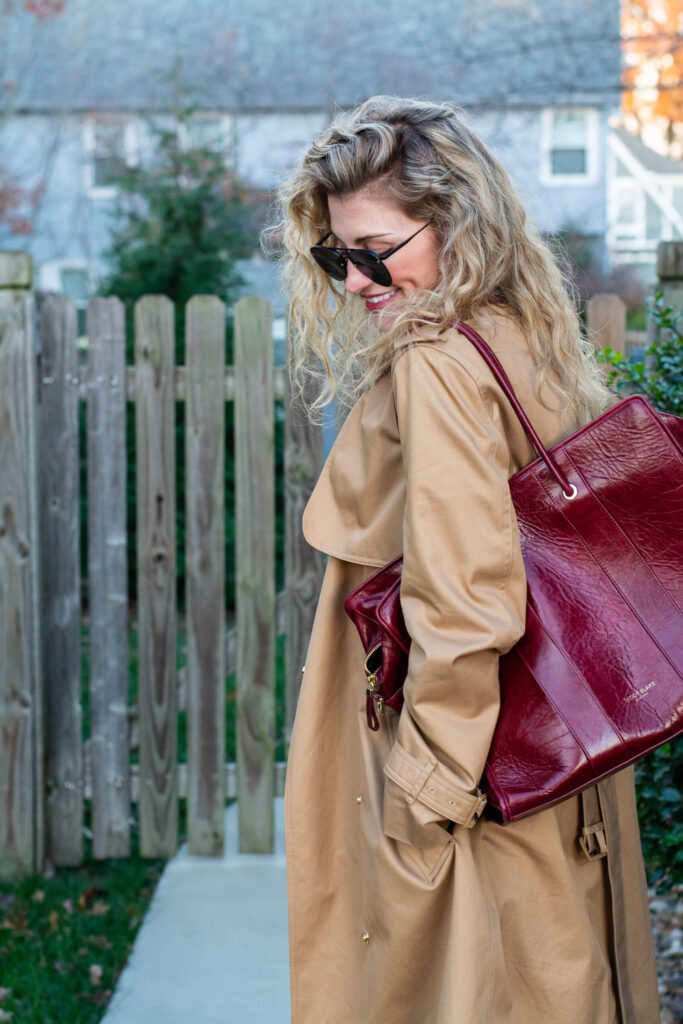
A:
<point x="393" y="918"/>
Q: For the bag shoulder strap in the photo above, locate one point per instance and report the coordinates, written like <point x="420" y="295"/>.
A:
<point x="494" y="364"/>
<point x="496" y="368"/>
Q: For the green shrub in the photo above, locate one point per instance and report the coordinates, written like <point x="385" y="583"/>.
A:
<point x="659" y="777"/>
<point x="659" y="376"/>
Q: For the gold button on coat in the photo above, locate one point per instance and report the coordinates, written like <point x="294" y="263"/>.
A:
<point x="366" y="936"/>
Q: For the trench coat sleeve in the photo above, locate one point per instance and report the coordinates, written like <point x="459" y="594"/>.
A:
<point x="463" y="592"/>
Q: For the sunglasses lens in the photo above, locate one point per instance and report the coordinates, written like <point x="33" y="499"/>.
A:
<point x="371" y="265"/>
<point x="330" y="261"/>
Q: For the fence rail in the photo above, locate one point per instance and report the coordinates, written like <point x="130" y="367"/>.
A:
<point x="42" y="716"/>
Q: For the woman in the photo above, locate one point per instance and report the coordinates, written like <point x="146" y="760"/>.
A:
<point x="407" y="905"/>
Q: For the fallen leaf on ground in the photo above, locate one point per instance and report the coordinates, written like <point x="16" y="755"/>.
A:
<point x="98" y="998"/>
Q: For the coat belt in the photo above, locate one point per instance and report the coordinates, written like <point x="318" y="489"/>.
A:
<point x="425" y="781"/>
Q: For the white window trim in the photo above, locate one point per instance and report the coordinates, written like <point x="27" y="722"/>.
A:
<point x="50" y="277"/>
<point x="591" y="175"/>
<point x="632" y="188"/>
<point x="226" y="121"/>
<point x="655" y="185"/>
<point x="131" y="155"/>
<point x="50" y="273"/>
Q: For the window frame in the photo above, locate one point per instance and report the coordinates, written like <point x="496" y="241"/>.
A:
<point x="590" y="176"/>
<point x="130" y="155"/>
<point x="50" y="276"/>
<point x="227" y="130"/>
<point x="634" y="191"/>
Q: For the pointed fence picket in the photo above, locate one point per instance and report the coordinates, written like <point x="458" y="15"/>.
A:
<point x="108" y="747"/>
<point x="88" y="747"/>
<point x="21" y="701"/>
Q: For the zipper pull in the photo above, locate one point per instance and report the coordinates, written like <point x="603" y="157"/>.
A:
<point x="370" y="712"/>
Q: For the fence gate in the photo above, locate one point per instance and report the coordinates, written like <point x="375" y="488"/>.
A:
<point x="44" y="384"/>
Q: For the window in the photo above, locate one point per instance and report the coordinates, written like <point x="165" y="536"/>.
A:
<point x="626" y="210"/>
<point x="73" y="278"/>
<point x="75" y="284"/>
<point x="677" y="199"/>
<point x="569" y="147"/>
<point x="653" y="220"/>
<point x="208" y="131"/>
<point x="110" y="145"/>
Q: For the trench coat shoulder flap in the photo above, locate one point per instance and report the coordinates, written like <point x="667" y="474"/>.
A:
<point x="463" y="586"/>
<point x="355" y="509"/>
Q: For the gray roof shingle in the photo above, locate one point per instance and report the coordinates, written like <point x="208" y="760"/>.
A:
<point x="312" y="54"/>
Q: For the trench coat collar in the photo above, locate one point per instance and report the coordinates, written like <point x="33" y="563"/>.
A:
<point x="355" y="510"/>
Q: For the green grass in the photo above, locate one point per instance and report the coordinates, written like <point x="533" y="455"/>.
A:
<point x="65" y="939"/>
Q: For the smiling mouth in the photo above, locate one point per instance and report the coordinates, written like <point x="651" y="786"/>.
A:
<point x="377" y="301"/>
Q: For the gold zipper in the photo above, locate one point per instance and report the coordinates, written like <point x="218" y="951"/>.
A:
<point x="367" y="659"/>
<point x="374" y="701"/>
<point x="374" y="692"/>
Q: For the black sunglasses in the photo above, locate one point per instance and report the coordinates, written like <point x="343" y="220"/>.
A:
<point x="333" y="260"/>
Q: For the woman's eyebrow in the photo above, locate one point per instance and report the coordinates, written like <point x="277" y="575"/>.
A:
<point x="376" y="234"/>
<point x="359" y="241"/>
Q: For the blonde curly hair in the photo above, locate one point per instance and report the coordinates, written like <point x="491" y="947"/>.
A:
<point x="427" y="158"/>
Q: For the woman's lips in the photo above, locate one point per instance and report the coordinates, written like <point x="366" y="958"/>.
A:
<point x="380" y="301"/>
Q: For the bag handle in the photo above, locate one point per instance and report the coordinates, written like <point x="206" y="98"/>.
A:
<point x="569" y="491"/>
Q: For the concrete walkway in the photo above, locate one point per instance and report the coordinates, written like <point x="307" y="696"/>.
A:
<point x="212" y="948"/>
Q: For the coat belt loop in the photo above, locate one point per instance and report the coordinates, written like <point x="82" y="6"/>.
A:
<point x="420" y="780"/>
<point x="593" y="836"/>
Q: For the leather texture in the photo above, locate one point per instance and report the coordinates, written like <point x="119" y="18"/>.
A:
<point x="596" y="682"/>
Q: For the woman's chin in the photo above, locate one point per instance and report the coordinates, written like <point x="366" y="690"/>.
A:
<point x="386" y="318"/>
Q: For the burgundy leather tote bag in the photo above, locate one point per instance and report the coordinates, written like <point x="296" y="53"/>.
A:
<point x="596" y="682"/>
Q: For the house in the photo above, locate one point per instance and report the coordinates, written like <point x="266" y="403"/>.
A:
<point x="645" y="203"/>
<point x="539" y="78"/>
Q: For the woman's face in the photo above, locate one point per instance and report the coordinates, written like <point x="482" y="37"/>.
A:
<point x="366" y="220"/>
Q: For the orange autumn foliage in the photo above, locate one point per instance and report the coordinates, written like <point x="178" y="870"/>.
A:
<point x="652" y="38"/>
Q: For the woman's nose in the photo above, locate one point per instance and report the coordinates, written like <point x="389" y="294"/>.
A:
<point x="355" y="281"/>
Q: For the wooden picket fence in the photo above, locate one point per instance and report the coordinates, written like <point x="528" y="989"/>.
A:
<point x="606" y="323"/>
<point x="49" y="776"/>
<point x="47" y="772"/>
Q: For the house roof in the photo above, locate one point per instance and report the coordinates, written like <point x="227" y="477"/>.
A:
<point x="646" y="157"/>
<point x="311" y="54"/>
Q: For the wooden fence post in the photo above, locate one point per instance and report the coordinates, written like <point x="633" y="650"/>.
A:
<point x="22" y="817"/>
<point x="255" y="573"/>
<point x="108" y="579"/>
<point x="156" y="574"/>
<point x="205" y="573"/>
<point x="670" y="272"/>
<point x="61" y="576"/>
<point x="304" y="565"/>
<point x="606" y="316"/>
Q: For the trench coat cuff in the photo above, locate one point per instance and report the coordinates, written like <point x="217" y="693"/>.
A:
<point x="425" y="781"/>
